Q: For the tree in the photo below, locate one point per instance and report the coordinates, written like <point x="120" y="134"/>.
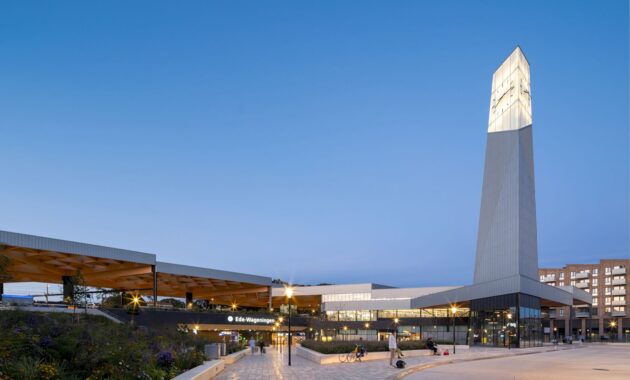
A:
<point x="80" y="294"/>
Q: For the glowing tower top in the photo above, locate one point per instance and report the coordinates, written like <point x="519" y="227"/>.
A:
<point x="511" y="101"/>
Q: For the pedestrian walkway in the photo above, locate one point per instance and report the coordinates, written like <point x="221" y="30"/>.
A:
<point x="273" y="365"/>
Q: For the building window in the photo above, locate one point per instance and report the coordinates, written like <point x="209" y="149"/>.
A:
<point x="607" y="291"/>
<point x="595" y="282"/>
<point x="587" y="290"/>
<point x="561" y="283"/>
<point x="595" y="291"/>
<point x="332" y="316"/>
<point x="387" y="314"/>
<point x="607" y="281"/>
<point x="346" y="297"/>
<point x="594" y="301"/>
<point x="572" y="282"/>
<point x="561" y="312"/>
<point x="562" y="275"/>
<point x="595" y="271"/>
<point x="347" y="315"/>
<point x="572" y="274"/>
<point x="608" y="271"/>
<point x="607" y="301"/>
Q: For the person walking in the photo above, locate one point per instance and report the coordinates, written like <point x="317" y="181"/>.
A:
<point x="262" y="346"/>
<point x="392" y="347"/>
<point x="252" y="344"/>
<point x="431" y="346"/>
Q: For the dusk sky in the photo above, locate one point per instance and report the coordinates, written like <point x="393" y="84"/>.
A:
<point x="328" y="141"/>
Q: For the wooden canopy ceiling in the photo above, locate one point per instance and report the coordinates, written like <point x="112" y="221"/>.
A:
<point x="36" y="265"/>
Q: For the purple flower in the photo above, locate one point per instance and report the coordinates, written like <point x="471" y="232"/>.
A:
<point x="165" y="359"/>
<point x="45" y="342"/>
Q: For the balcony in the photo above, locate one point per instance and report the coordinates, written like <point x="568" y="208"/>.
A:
<point x="619" y="292"/>
<point x="619" y="281"/>
<point x="619" y="303"/>
<point x="582" y="284"/>
<point x="616" y="271"/>
<point x="582" y="314"/>
<point x="552" y="314"/>
<point x="548" y="278"/>
<point x="617" y="313"/>
<point x="581" y="275"/>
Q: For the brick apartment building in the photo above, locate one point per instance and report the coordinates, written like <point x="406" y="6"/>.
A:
<point x="607" y="281"/>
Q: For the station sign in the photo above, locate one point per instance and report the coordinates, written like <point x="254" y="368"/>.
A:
<point x="250" y="320"/>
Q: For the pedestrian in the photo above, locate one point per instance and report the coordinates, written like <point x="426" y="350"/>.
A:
<point x="431" y="346"/>
<point x="252" y="344"/>
<point x="392" y="347"/>
<point x="262" y="346"/>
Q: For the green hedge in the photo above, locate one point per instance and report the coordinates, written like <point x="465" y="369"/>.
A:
<point x="340" y="347"/>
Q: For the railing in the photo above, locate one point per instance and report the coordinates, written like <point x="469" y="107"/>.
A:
<point x="619" y="271"/>
<point x="582" y="314"/>
<point x="617" y="313"/>
<point x="548" y="278"/>
<point x="618" y="302"/>
<point x="581" y="275"/>
<point x="619" y="292"/>
<point x="619" y="281"/>
<point x="582" y="284"/>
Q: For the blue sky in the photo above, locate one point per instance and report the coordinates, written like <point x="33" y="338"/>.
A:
<point x="329" y="141"/>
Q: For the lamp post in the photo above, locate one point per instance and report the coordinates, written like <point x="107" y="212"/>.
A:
<point x="453" y="311"/>
<point x="610" y="329"/>
<point x="509" y="329"/>
<point x="135" y="300"/>
<point x="288" y="291"/>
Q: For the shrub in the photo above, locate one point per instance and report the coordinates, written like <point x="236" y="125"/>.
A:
<point x="53" y="346"/>
<point x="340" y="347"/>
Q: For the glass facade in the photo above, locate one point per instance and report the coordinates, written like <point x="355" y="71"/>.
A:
<point x="511" y="320"/>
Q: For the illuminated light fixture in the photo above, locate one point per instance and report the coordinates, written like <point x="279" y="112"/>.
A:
<point x="396" y="320"/>
<point x="280" y="319"/>
<point x="288" y="291"/>
<point x="277" y="324"/>
<point x="345" y="328"/>
<point x="234" y="306"/>
<point x="454" y="310"/>
<point x="367" y="325"/>
<point x="196" y="327"/>
<point x="509" y="315"/>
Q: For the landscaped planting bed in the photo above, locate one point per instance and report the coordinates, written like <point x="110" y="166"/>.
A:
<point x="58" y="346"/>
<point x="339" y="347"/>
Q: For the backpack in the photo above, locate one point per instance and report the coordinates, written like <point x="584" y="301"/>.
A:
<point x="400" y="364"/>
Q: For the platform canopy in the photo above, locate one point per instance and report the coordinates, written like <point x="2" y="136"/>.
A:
<point x="40" y="259"/>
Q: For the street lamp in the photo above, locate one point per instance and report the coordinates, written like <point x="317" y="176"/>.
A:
<point x="453" y="311"/>
<point x="288" y="291"/>
<point x="509" y="316"/>
<point x="135" y="301"/>
<point x="612" y="326"/>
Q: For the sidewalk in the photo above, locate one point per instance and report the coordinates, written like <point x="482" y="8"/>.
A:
<point x="273" y="365"/>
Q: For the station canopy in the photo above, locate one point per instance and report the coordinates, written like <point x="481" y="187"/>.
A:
<point x="40" y="259"/>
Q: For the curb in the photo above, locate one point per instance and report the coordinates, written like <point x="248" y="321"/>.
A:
<point x="422" y="367"/>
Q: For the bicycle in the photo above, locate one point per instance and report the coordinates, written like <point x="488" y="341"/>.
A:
<point x="355" y="355"/>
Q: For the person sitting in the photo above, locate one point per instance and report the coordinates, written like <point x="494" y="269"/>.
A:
<point x="431" y="346"/>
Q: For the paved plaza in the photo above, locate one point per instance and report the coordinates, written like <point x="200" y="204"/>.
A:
<point x="610" y="362"/>
<point x="273" y="365"/>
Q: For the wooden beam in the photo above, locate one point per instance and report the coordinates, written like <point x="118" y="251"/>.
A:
<point x="112" y="274"/>
<point x="230" y="292"/>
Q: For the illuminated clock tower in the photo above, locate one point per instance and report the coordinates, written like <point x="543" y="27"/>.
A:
<point x="506" y="240"/>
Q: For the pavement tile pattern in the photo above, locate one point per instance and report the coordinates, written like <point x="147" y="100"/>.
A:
<point x="273" y="365"/>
